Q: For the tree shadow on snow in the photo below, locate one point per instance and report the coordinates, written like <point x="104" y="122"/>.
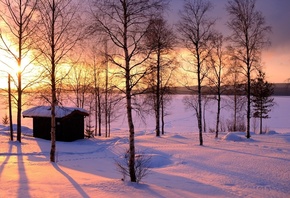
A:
<point x="7" y="158"/>
<point x="179" y="186"/>
<point x="23" y="190"/>
<point x="72" y="181"/>
<point x="247" y="153"/>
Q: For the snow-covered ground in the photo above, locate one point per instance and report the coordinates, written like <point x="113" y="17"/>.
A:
<point x="230" y="166"/>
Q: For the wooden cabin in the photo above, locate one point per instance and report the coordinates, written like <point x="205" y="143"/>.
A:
<point x="69" y="122"/>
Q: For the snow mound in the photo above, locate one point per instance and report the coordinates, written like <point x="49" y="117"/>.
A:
<point x="25" y="130"/>
<point x="159" y="161"/>
<point x="7" y="128"/>
<point x="271" y="132"/>
<point x="233" y="137"/>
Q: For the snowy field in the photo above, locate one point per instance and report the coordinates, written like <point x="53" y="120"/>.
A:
<point x="230" y="166"/>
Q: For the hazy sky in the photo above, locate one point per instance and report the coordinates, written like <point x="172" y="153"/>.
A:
<point x="276" y="58"/>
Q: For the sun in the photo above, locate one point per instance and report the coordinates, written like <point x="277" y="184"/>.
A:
<point x="9" y="64"/>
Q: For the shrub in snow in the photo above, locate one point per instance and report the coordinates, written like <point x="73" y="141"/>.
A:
<point x="89" y="132"/>
<point x="238" y="125"/>
<point x="142" y="165"/>
<point x="5" y="120"/>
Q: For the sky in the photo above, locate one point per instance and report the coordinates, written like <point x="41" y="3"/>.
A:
<point x="276" y="58"/>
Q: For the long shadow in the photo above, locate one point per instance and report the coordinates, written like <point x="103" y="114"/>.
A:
<point x="6" y="159"/>
<point x="23" y="190"/>
<point x="72" y="181"/>
<point x="44" y="146"/>
<point x="98" y="151"/>
<point x="190" y="186"/>
<point x="247" y="153"/>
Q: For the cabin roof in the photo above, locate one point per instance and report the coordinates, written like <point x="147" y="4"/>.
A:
<point x="60" y="112"/>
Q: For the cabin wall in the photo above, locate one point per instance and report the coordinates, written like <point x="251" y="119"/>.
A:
<point x="67" y="129"/>
<point x="72" y="127"/>
<point x="42" y="128"/>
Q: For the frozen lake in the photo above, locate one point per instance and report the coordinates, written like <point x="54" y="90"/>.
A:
<point x="183" y="120"/>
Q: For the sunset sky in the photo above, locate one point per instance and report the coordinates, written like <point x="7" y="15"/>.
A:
<point x="276" y="58"/>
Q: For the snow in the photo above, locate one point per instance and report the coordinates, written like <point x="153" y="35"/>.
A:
<point x="229" y="166"/>
<point x="45" y="111"/>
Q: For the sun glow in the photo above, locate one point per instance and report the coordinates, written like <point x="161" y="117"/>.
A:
<point x="9" y="65"/>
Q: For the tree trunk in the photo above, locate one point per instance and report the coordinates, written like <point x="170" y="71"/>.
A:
<point x="99" y="112"/>
<point x="261" y="125"/>
<point x="53" y="87"/>
<point x="96" y="105"/>
<point x="19" y="88"/>
<point x="199" y="119"/>
<point x="19" y="107"/>
<point x="235" y="111"/>
<point x="248" y="102"/>
<point x="10" y="107"/>
<point x="261" y="117"/>
<point x="109" y="125"/>
<point x="53" y="125"/>
<point x="106" y="89"/>
<point x="162" y="115"/>
<point x="131" y="131"/>
<point x="53" y="139"/>
<point x="157" y="109"/>
<point x="218" y="115"/>
<point x="203" y="117"/>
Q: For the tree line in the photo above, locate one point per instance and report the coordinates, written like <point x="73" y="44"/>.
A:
<point x="107" y="51"/>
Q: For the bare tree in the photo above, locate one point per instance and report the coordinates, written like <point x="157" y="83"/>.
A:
<point x="236" y="100"/>
<point x="113" y="106"/>
<point x="125" y="22"/>
<point x="206" y="100"/>
<point x="59" y="33"/>
<point x="161" y="39"/>
<point x="98" y="97"/>
<point x="248" y="37"/>
<point x="196" y="29"/>
<point x="21" y="27"/>
<point x="94" y="60"/>
<point x="79" y="81"/>
<point x="191" y="102"/>
<point x="217" y="75"/>
<point x="108" y="102"/>
<point x="103" y="85"/>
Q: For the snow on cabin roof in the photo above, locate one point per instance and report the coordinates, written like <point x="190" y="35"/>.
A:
<point x="45" y="111"/>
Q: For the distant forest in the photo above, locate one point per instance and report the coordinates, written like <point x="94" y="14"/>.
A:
<point x="280" y="89"/>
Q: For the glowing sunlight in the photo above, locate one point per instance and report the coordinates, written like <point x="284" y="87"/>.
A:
<point x="9" y="65"/>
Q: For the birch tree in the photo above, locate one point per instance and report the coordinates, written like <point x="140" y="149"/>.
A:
<point x="59" y="33"/>
<point x="248" y="37"/>
<point x="162" y="40"/>
<point x="196" y="29"/>
<point x="125" y="22"/>
<point x="16" y="37"/>
<point x="236" y="100"/>
<point x="217" y="76"/>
